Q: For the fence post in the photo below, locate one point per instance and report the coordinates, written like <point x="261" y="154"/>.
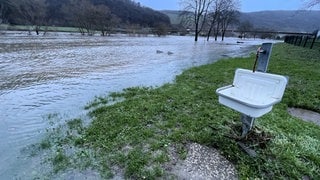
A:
<point x="305" y="43"/>
<point x="315" y="33"/>
<point x="300" y="40"/>
<point x="292" y="40"/>
<point x="295" y="40"/>
<point x="313" y="41"/>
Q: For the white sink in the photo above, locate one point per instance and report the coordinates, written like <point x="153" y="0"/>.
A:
<point x="253" y="93"/>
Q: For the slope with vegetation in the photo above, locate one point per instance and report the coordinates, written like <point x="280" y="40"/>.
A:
<point x="85" y="14"/>
<point x="288" y="21"/>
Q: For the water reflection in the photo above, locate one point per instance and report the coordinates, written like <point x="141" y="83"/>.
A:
<point x="60" y="73"/>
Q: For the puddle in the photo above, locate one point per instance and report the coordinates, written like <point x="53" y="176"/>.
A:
<point x="306" y="115"/>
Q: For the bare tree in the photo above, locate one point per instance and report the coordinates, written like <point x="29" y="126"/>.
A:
<point x="32" y="12"/>
<point x="223" y="13"/>
<point x="244" y="28"/>
<point x="89" y="17"/>
<point x="229" y="15"/>
<point x="81" y="13"/>
<point x="200" y="11"/>
<point x="214" y="16"/>
<point x="103" y="19"/>
<point x="161" y="29"/>
<point x="312" y="3"/>
<point x="4" y="7"/>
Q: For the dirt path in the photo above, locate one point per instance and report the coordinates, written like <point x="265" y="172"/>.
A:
<point x="204" y="163"/>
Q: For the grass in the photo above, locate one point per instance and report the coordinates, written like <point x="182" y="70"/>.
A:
<point x="316" y="44"/>
<point x="42" y="28"/>
<point x="147" y="127"/>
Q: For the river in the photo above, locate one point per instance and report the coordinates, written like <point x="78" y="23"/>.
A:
<point x="58" y="74"/>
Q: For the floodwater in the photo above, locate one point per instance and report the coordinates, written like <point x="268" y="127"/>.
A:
<point x="58" y="74"/>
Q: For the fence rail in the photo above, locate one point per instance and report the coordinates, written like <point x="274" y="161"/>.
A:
<point x="305" y="40"/>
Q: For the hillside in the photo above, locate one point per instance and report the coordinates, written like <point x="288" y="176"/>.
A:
<point x="296" y="21"/>
<point x="130" y="11"/>
<point x="64" y="12"/>
<point x="173" y="15"/>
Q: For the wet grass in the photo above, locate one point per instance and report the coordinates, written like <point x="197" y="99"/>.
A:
<point x="59" y="150"/>
<point x="138" y="136"/>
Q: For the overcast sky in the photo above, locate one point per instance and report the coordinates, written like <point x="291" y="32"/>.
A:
<point x="246" y="5"/>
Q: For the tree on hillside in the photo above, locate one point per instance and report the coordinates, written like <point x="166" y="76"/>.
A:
<point x="60" y="13"/>
<point x="55" y="14"/>
<point x="89" y="17"/>
<point x="102" y="18"/>
<point x="81" y="13"/>
<point x="131" y="12"/>
<point x="200" y="12"/>
<point x="4" y="8"/>
<point x="31" y="12"/>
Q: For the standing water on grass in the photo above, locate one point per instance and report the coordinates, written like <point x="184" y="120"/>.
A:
<point x="42" y="77"/>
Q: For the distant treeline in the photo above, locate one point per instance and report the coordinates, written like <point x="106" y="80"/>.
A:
<point x="87" y="15"/>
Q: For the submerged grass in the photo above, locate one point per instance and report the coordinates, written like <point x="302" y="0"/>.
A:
<point x="139" y="135"/>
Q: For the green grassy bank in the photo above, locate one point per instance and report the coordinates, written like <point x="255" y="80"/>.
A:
<point x="147" y="126"/>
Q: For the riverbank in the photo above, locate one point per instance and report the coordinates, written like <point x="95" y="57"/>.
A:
<point x="51" y="78"/>
<point x="148" y="131"/>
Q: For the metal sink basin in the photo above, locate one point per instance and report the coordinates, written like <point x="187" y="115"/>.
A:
<point x="253" y="93"/>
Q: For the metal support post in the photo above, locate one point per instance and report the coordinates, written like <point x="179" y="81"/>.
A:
<point x="247" y="124"/>
<point x="264" y="57"/>
<point x="262" y="62"/>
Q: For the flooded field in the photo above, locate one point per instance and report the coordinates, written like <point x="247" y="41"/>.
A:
<point x="58" y="74"/>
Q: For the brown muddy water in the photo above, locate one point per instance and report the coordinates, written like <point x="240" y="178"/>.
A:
<point x="58" y="74"/>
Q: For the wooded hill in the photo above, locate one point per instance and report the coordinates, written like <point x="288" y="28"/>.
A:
<point x="288" y="21"/>
<point x="104" y="15"/>
<point x="62" y="12"/>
